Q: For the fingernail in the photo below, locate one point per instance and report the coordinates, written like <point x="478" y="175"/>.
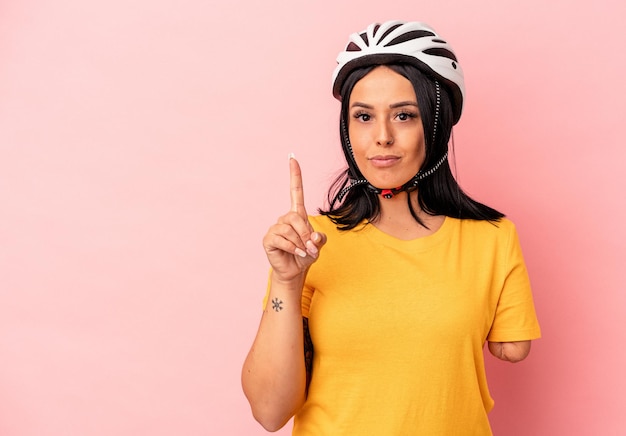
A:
<point x="300" y="252"/>
<point x="311" y="247"/>
<point x="291" y="156"/>
<point x="315" y="237"/>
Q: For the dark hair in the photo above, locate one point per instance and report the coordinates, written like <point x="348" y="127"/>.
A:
<point x="438" y="194"/>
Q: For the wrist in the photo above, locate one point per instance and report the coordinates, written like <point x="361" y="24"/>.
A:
<point x="291" y="282"/>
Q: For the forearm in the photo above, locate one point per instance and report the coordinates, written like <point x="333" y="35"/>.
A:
<point x="273" y="375"/>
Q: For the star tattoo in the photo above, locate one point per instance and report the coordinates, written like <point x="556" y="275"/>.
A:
<point x="277" y="304"/>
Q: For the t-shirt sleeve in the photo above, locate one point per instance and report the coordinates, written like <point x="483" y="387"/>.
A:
<point x="515" y="318"/>
<point x="307" y="294"/>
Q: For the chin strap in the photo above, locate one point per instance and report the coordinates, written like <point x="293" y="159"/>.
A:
<point x="389" y="193"/>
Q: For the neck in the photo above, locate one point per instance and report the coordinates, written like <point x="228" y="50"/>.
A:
<point x="398" y="205"/>
<point x="395" y="217"/>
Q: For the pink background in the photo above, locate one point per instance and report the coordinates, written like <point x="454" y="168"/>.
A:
<point x="143" y="153"/>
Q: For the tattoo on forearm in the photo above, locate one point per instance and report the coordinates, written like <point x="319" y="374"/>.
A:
<point x="277" y="304"/>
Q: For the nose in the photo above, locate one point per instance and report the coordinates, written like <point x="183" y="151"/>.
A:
<point x="384" y="134"/>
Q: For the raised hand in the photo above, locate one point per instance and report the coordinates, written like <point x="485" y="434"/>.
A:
<point x="291" y="245"/>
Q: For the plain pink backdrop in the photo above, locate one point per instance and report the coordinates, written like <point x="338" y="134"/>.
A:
<point x="143" y="154"/>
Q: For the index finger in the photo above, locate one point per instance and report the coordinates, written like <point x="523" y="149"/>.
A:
<point x="295" y="184"/>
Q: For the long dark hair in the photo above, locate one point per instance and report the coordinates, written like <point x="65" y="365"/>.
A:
<point x="437" y="194"/>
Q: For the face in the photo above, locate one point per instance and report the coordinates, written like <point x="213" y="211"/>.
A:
<point x="385" y="128"/>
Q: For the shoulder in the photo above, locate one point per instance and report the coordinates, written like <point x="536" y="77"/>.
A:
<point x="503" y="226"/>
<point x="319" y="220"/>
<point x="481" y="233"/>
<point x="322" y="223"/>
<point x="336" y="239"/>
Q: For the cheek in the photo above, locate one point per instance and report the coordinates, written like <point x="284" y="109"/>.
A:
<point x="357" y="139"/>
<point x="418" y="140"/>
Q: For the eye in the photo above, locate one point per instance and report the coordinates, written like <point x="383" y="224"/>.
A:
<point x="405" y="116"/>
<point x="363" y="116"/>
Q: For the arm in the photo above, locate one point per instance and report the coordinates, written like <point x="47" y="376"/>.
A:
<point x="515" y="316"/>
<point x="274" y="375"/>
<point x="510" y="351"/>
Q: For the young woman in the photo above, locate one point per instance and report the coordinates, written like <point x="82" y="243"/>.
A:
<point x="378" y="309"/>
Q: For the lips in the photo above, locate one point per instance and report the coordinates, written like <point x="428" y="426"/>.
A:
<point x="385" y="161"/>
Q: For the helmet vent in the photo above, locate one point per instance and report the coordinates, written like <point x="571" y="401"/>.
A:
<point x="353" y="47"/>
<point x="388" y="31"/>
<point x="441" y="41"/>
<point x="441" y="52"/>
<point x="408" y="36"/>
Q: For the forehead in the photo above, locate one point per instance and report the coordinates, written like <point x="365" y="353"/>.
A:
<point x="383" y="85"/>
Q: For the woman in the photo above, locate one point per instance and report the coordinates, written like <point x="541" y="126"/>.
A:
<point x="378" y="309"/>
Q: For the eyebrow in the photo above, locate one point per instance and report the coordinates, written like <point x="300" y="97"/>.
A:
<point x="391" y="106"/>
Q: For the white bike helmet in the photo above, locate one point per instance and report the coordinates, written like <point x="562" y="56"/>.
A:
<point x="408" y="42"/>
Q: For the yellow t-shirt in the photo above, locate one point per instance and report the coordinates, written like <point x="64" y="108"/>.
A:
<point x="398" y="328"/>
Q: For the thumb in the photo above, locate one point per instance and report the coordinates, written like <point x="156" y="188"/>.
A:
<point x="319" y="239"/>
<point x="315" y="244"/>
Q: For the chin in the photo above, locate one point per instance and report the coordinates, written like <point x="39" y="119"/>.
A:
<point x="386" y="184"/>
